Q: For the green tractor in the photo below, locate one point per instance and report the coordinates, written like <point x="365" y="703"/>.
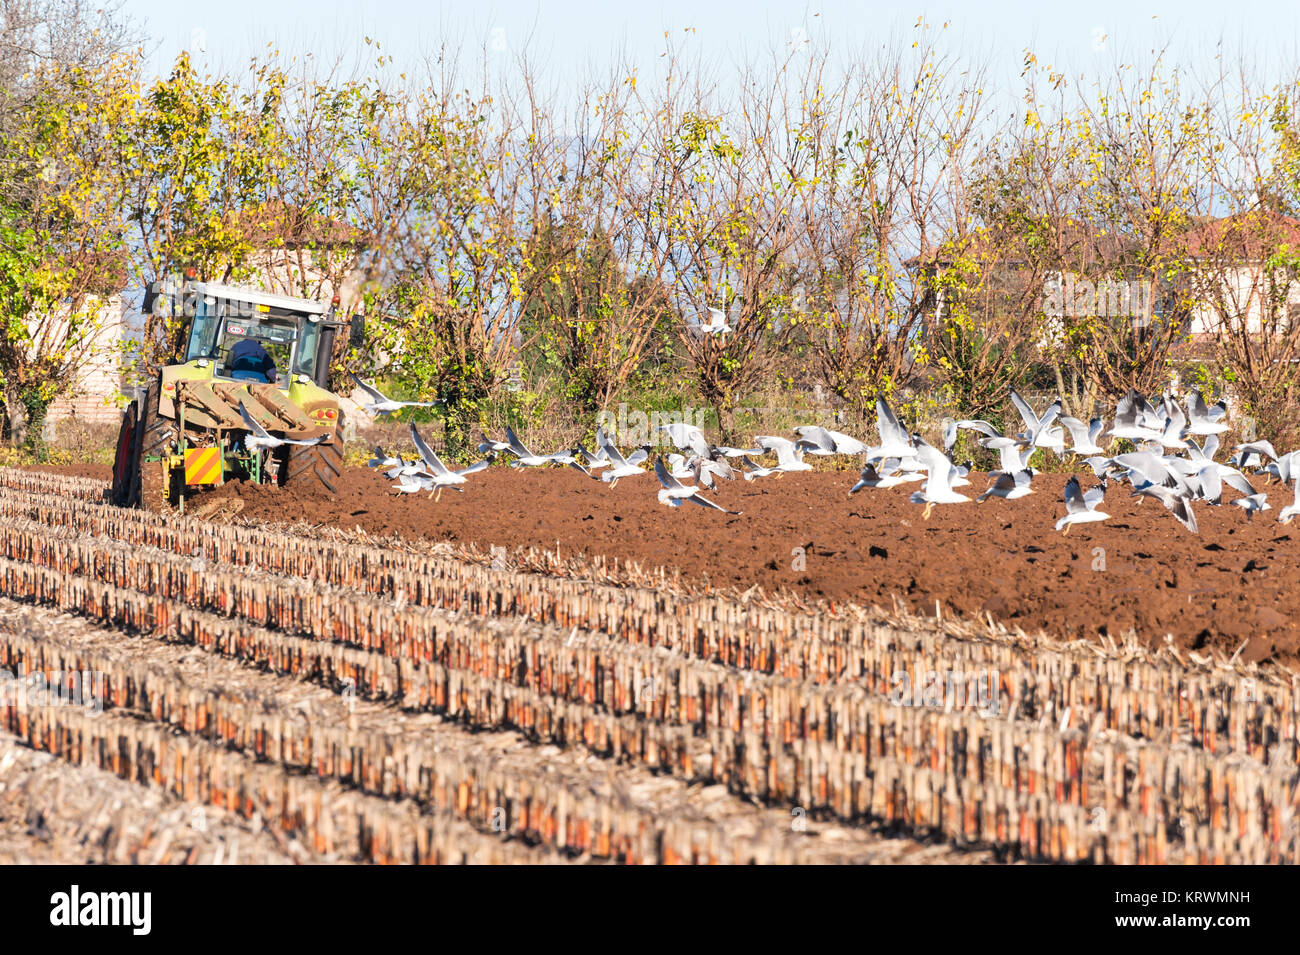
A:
<point x="269" y="354"/>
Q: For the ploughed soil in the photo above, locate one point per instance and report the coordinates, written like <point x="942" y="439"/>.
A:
<point x="100" y="472"/>
<point x="1233" y="582"/>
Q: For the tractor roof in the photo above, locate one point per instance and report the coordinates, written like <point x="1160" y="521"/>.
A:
<point x="251" y="296"/>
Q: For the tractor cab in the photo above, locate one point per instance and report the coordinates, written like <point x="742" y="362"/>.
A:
<point x="230" y="332"/>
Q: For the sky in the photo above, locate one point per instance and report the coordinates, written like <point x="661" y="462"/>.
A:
<point x="567" y="35"/>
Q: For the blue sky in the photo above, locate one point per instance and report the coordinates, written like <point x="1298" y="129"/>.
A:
<point x="568" y="34"/>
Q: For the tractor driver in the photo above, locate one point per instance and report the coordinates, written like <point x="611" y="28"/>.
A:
<point x="249" y="359"/>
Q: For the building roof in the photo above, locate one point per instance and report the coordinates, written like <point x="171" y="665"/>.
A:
<point x="1248" y="236"/>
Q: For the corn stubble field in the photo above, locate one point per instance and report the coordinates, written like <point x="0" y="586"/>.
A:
<point x="276" y="694"/>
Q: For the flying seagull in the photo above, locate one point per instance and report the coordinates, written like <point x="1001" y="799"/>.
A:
<point x="440" y="475"/>
<point x="381" y="404"/>
<point x="1083" y="435"/>
<point x="817" y="440"/>
<point x="259" y="437"/>
<point x="880" y="474"/>
<point x="382" y="460"/>
<point x="619" y="466"/>
<point x="1008" y="486"/>
<point x="788" y="456"/>
<point x="1252" y="503"/>
<point x="1178" y="505"/>
<point x="674" y="491"/>
<point x="686" y="437"/>
<point x="1081" y="507"/>
<point x="938" y="487"/>
<point x="1205" y="420"/>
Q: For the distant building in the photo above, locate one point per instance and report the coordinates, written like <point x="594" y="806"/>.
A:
<point x="91" y="398"/>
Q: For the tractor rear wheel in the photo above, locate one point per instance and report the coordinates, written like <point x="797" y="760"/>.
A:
<point x="319" y="465"/>
<point x="124" y="464"/>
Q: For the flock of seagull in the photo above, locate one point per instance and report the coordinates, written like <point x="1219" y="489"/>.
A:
<point x="1166" y="462"/>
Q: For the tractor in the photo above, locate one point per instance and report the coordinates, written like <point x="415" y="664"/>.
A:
<point x="186" y="429"/>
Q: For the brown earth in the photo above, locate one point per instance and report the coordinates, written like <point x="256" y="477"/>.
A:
<point x="100" y="472"/>
<point x="1141" y="570"/>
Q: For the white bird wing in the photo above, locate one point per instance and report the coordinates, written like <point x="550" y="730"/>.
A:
<point x="475" y="467"/>
<point x="1211" y="484"/>
<point x="1051" y="414"/>
<point x="887" y="423"/>
<point x="1078" y="430"/>
<point x="783" y="447"/>
<point x="253" y="426"/>
<point x="371" y="390"/>
<point x="516" y="445"/>
<point x="1237" y="481"/>
<point x="610" y="450"/>
<point x="816" y="437"/>
<point x="1094" y="496"/>
<point x="666" y="479"/>
<point x="983" y="427"/>
<point x="1026" y="413"/>
<point x="937" y="463"/>
<point x="431" y="460"/>
<point x="1075" y="503"/>
<point x="847" y="444"/>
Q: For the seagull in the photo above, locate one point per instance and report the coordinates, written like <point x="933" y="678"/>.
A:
<point x="1285" y="467"/>
<point x="699" y="469"/>
<point x="1084" y="437"/>
<point x="593" y="461"/>
<point x="1212" y="477"/>
<point x="570" y="458"/>
<point x="880" y="474"/>
<point x="1203" y="420"/>
<point x="817" y="440"/>
<point x="382" y="460"/>
<point x="753" y="470"/>
<point x="686" y="437"/>
<point x="619" y="467"/>
<point x="382" y="405"/>
<point x="1178" y="505"/>
<point x="1012" y="458"/>
<point x="439" y="475"/>
<point x="717" y="323"/>
<point x="674" y="491"/>
<point x="1136" y="420"/>
<point x="938" y="487"/>
<point x="788" y="456"/>
<point x="490" y="446"/>
<point x="410" y="483"/>
<point x="895" y="442"/>
<point x="259" y="437"/>
<point x="1080" y="507"/>
<point x="1253" y="503"/>
<point x="1009" y="486"/>
<point x="523" y="457"/>
<point x="1038" y="431"/>
<point x="1259" y="449"/>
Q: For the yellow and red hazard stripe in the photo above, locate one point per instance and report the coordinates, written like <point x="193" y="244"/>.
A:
<point x="202" y="465"/>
